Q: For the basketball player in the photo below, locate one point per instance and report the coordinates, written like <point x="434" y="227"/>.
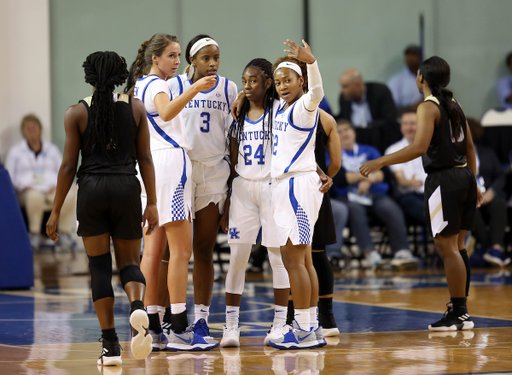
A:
<point x="207" y="119"/>
<point x="296" y="195"/>
<point x="249" y="203"/>
<point x="110" y="131"/>
<point x="451" y="193"/>
<point x="158" y="59"/>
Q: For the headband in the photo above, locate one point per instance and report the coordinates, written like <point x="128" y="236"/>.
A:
<point x="202" y="43"/>
<point x="289" y="65"/>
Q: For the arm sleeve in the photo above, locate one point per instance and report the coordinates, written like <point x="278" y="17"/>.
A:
<point x="304" y="112"/>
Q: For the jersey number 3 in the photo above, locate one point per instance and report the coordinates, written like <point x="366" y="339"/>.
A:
<point x="205" y="128"/>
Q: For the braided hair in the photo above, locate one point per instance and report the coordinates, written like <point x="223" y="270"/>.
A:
<point x="236" y="130"/>
<point x="104" y="71"/>
<point x="436" y="72"/>
<point x="144" y="60"/>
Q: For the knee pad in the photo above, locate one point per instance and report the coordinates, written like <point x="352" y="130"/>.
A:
<point x="131" y="273"/>
<point x="101" y="276"/>
<point x="324" y="272"/>
<point x="279" y="273"/>
<point x="235" y="278"/>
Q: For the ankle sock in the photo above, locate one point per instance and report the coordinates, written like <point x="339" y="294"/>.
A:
<point x="109" y="334"/>
<point x="232" y="316"/>
<point x="136" y="305"/>
<point x="179" y="322"/>
<point x="313" y="317"/>
<point x="154" y="323"/>
<point x="201" y="312"/>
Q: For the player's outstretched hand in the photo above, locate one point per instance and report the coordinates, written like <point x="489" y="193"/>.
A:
<point x="369" y="167"/>
<point x="298" y="52"/>
<point x="151" y="217"/>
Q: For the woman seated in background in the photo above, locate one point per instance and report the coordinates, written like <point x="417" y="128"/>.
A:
<point x="33" y="165"/>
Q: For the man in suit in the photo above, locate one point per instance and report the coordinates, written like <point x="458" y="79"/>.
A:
<point x="370" y="108"/>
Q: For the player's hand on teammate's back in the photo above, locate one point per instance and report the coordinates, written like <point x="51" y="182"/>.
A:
<point x="151" y="217"/>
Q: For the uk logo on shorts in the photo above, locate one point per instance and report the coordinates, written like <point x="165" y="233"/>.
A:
<point x="234" y="234"/>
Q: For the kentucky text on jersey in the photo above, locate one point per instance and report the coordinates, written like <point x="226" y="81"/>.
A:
<point x="256" y="135"/>
<point x="212" y="104"/>
<point x="278" y="125"/>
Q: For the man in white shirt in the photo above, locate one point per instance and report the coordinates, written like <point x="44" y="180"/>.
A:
<point x="33" y="165"/>
<point x="410" y="176"/>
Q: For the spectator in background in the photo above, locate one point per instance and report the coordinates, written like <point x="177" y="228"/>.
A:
<point x="505" y="86"/>
<point x="33" y="165"/>
<point x="368" y="195"/>
<point x="410" y="176"/>
<point x="403" y="85"/>
<point x="370" y="108"/>
<point x="491" y="217"/>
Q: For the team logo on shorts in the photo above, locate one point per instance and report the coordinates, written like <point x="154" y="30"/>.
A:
<point x="234" y="234"/>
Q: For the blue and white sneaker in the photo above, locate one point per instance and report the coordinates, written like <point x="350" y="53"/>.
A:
<point x="497" y="257"/>
<point x="319" y="333"/>
<point x="189" y="341"/>
<point x="159" y="340"/>
<point x="297" y="338"/>
<point x="201" y="328"/>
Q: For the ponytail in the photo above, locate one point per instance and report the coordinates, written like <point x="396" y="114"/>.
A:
<point x="436" y="72"/>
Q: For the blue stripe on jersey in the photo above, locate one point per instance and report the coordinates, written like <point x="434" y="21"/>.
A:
<point x="160" y="131"/>
<point x="213" y="88"/>
<point x="298" y="127"/>
<point x="181" y="84"/>
<point x="301" y="150"/>
<point x="300" y="214"/>
<point x="178" y="198"/>
<point x="258" y="120"/>
<point x="144" y="93"/>
<point x="226" y="93"/>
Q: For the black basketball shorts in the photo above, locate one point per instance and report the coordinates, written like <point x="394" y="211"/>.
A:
<point x="458" y="198"/>
<point x="109" y="204"/>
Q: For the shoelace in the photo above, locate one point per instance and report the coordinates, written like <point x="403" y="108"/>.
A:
<point x="449" y="309"/>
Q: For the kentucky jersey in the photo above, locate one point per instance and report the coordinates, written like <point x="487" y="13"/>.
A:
<point x="164" y="134"/>
<point x="293" y="146"/>
<point x="255" y="149"/>
<point x="207" y="118"/>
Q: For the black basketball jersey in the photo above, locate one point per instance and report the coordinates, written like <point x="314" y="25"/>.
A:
<point x="444" y="150"/>
<point x="321" y="145"/>
<point x="96" y="160"/>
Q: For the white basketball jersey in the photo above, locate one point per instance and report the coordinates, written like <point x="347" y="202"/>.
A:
<point x="255" y="150"/>
<point x="293" y="146"/>
<point x="164" y="134"/>
<point x="207" y="118"/>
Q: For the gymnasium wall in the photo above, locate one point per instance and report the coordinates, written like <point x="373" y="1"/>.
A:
<point x="472" y="35"/>
<point x="25" y="67"/>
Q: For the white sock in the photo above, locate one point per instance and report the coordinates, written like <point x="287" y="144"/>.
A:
<point x="153" y="309"/>
<point x="201" y="312"/>
<point x="313" y="316"/>
<point x="178" y="308"/>
<point x="232" y="316"/>
<point x="302" y="317"/>
<point x="280" y="313"/>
